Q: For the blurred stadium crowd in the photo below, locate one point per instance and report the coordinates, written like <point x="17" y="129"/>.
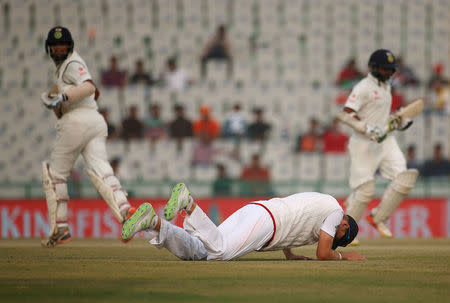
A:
<point x="216" y="91"/>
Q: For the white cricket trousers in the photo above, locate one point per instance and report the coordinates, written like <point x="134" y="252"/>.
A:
<point x="246" y="230"/>
<point x="368" y="156"/>
<point x="81" y="131"/>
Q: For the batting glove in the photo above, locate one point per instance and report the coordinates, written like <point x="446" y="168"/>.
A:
<point x="53" y="101"/>
<point x="373" y="132"/>
<point x="394" y="122"/>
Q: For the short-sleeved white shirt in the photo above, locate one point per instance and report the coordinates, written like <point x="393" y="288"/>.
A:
<point x="332" y="222"/>
<point x="371" y="100"/>
<point x="176" y="80"/>
<point x="73" y="72"/>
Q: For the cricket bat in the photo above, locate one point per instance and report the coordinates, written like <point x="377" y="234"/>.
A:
<point x="404" y="113"/>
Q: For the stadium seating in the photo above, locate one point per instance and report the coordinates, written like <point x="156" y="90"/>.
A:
<point x="287" y="54"/>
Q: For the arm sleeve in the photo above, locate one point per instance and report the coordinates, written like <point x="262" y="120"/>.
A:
<point x="332" y="222"/>
<point x="76" y="73"/>
<point x="356" y="99"/>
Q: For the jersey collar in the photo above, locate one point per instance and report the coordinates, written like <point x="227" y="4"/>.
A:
<point x="377" y="82"/>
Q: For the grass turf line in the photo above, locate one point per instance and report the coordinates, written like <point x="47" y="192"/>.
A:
<point x="397" y="270"/>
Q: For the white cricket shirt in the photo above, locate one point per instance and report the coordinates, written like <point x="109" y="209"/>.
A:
<point x="73" y="72"/>
<point x="300" y="217"/>
<point x="371" y="100"/>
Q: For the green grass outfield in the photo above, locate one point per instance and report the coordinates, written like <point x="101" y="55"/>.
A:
<point x="397" y="270"/>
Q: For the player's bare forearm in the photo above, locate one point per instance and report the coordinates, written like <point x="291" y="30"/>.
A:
<point x="291" y="256"/>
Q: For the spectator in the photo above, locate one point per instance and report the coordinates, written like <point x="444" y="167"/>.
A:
<point x="349" y="75"/>
<point x="222" y="185"/>
<point x="114" y="77"/>
<point x="256" y="177"/>
<point x="140" y="76"/>
<point x="411" y="161"/>
<point x="312" y="140"/>
<point x="334" y="140"/>
<point x="438" y="166"/>
<point x="203" y="150"/>
<point x="155" y="127"/>
<point x="206" y="124"/>
<point x="404" y="76"/>
<point x="113" y="133"/>
<point x="180" y="127"/>
<point x="441" y="97"/>
<point x="437" y="75"/>
<point x="258" y="129"/>
<point x="175" y="79"/>
<point x="217" y="48"/>
<point x="234" y="126"/>
<point x="341" y="97"/>
<point x="132" y="127"/>
<point x="397" y="100"/>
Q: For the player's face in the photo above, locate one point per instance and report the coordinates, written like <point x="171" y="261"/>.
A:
<point x="342" y="229"/>
<point x="59" y="50"/>
<point x="386" y="73"/>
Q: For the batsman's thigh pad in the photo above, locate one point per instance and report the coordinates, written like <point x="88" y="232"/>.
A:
<point x="360" y="198"/>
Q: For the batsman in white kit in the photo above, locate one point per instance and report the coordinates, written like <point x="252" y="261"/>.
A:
<point x="367" y="111"/>
<point x="275" y="224"/>
<point x="80" y="130"/>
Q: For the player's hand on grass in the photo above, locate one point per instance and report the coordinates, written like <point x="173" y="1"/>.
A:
<point x="53" y="101"/>
<point x="297" y="257"/>
<point x="353" y="256"/>
<point x="291" y="256"/>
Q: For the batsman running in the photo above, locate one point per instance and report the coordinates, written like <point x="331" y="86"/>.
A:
<point x="80" y="130"/>
<point x="275" y="224"/>
<point x="371" y="147"/>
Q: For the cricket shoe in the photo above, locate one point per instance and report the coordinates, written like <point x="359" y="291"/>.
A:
<point x="180" y="199"/>
<point x="60" y="237"/>
<point x="355" y="242"/>
<point x="382" y="229"/>
<point x="143" y="219"/>
<point x="129" y="212"/>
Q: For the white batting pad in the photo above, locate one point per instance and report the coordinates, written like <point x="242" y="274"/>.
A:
<point x="394" y="194"/>
<point x="110" y="190"/>
<point x="358" y="200"/>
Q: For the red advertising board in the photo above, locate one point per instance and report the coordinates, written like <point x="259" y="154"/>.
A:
<point x="91" y="218"/>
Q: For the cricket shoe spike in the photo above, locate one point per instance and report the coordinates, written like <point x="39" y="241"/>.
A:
<point x="143" y="219"/>
<point x="382" y="229"/>
<point x="179" y="200"/>
<point x="60" y="237"/>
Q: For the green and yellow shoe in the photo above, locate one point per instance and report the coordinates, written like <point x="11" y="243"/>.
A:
<point x="179" y="200"/>
<point x="142" y="219"/>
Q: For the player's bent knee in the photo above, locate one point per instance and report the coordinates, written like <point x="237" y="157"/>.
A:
<point x="365" y="191"/>
<point x="405" y="181"/>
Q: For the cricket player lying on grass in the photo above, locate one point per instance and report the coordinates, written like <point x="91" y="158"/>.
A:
<point x="275" y="224"/>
